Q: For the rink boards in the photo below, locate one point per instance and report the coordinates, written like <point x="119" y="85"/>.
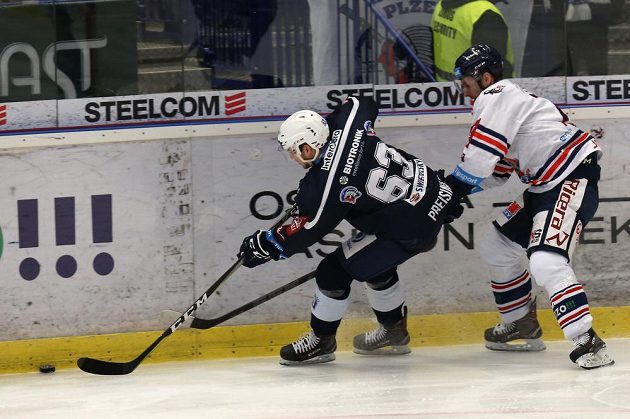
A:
<point x="98" y="239"/>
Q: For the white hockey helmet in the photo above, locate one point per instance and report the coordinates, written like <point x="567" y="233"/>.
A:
<point x="303" y="127"/>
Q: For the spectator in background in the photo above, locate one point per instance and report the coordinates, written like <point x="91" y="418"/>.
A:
<point x="587" y="24"/>
<point x="545" y="47"/>
<point x="327" y="50"/>
<point x="261" y="63"/>
<point x="569" y="37"/>
<point x="459" y="24"/>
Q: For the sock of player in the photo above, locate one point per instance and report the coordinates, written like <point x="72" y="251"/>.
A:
<point x="327" y="312"/>
<point x="386" y="303"/>
<point x="512" y="297"/>
<point x="568" y="299"/>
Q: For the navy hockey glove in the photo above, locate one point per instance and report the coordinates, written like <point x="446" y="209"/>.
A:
<point x="256" y="250"/>
<point x="455" y="209"/>
<point x="458" y="187"/>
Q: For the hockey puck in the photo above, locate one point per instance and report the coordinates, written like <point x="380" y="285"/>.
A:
<point x="46" y="368"/>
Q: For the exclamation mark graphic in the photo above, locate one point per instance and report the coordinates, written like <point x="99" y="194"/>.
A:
<point x="28" y="234"/>
<point x="102" y="231"/>
<point x="65" y="234"/>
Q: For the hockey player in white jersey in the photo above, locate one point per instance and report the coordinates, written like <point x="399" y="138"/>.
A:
<point x="516" y="132"/>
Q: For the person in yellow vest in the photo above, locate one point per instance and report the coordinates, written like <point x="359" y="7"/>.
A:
<point x="459" y="24"/>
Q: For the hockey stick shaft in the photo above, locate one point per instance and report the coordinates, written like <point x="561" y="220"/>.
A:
<point x="198" y="323"/>
<point x="101" y="367"/>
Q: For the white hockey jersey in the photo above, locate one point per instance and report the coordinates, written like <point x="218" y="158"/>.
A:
<point x="515" y="131"/>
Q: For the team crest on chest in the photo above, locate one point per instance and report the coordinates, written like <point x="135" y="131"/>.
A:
<point x="349" y="194"/>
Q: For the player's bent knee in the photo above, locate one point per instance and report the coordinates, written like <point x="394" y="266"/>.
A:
<point x="498" y="251"/>
<point x="550" y="270"/>
<point x="384" y="280"/>
<point x="332" y="278"/>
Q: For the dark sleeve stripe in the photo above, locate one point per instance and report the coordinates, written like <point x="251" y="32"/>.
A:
<point x="487" y="148"/>
<point x="493" y="133"/>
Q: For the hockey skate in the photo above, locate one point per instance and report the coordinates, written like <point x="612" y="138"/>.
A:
<point x="309" y="349"/>
<point x="527" y="329"/>
<point x="589" y="351"/>
<point x="384" y="340"/>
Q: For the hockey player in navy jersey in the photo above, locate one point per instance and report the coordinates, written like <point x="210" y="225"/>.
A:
<point x="393" y="198"/>
<point x="517" y="132"/>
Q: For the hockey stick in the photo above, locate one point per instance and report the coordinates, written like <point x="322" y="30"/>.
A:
<point x="101" y="367"/>
<point x="199" y="323"/>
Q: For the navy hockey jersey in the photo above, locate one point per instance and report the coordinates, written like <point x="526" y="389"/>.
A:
<point x="377" y="188"/>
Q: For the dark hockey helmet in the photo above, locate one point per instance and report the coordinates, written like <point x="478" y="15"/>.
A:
<point x="478" y="59"/>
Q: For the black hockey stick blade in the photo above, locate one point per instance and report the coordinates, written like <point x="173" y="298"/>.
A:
<point x="96" y="366"/>
<point x="102" y="367"/>
<point x="198" y="323"/>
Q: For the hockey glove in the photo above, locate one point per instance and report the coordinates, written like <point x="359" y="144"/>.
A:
<point x="455" y="209"/>
<point x="256" y="250"/>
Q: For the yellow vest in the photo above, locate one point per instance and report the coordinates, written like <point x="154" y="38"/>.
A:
<point x="452" y="34"/>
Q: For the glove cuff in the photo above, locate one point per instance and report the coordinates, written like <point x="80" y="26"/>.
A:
<point x="276" y="250"/>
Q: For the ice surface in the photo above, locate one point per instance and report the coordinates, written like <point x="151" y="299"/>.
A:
<point x="465" y="381"/>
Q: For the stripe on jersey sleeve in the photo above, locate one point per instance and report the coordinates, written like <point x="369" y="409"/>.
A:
<point x="503" y="169"/>
<point x="561" y="158"/>
<point x="489" y="140"/>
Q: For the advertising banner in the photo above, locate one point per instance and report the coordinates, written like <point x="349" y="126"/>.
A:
<point x="113" y="234"/>
<point x="261" y="105"/>
<point x="197" y="107"/>
<point x="95" y="239"/>
<point x="67" y="50"/>
<point x="601" y="90"/>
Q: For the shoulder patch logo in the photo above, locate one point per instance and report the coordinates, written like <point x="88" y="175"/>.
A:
<point x="349" y="194"/>
<point x="296" y="225"/>
<point x="497" y="89"/>
<point x="369" y="128"/>
<point x="511" y="210"/>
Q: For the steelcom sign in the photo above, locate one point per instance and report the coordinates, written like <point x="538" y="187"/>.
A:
<point x="67" y="51"/>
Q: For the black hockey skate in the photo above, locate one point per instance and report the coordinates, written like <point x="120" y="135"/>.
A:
<point x="384" y="340"/>
<point x="309" y="349"/>
<point x="502" y="337"/>
<point x="589" y="351"/>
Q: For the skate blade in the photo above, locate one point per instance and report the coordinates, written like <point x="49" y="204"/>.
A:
<point x="317" y="360"/>
<point x="591" y="361"/>
<point x="385" y="350"/>
<point x="529" y="345"/>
